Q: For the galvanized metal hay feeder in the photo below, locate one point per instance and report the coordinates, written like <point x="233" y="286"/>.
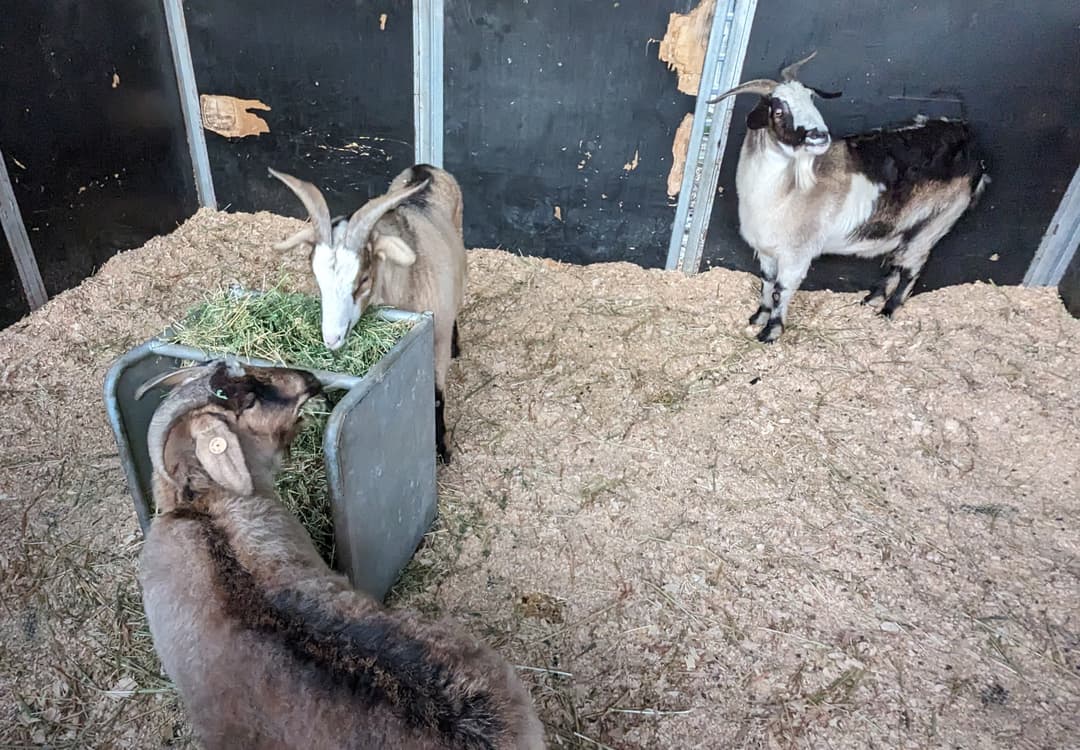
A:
<point x="378" y="446"/>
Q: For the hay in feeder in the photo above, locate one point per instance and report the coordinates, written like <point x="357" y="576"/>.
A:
<point x="285" y="327"/>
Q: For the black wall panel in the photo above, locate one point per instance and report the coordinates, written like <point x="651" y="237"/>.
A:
<point x="337" y="77"/>
<point x="91" y="131"/>
<point x="1015" y="69"/>
<point x="546" y="105"/>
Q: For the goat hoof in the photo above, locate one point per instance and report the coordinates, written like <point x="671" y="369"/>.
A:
<point x="770" y="333"/>
<point x="444" y="455"/>
<point x="872" y="298"/>
<point x="886" y="312"/>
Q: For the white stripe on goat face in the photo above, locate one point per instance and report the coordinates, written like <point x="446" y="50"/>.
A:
<point x="800" y="102"/>
<point x="336" y="271"/>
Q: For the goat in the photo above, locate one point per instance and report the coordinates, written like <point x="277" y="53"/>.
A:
<point x="891" y="192"/>
<point x="404" y="249"/>
<point x="267" y="646"/>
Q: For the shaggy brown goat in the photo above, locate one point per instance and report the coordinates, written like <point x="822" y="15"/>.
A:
<point x="267" y="646"/>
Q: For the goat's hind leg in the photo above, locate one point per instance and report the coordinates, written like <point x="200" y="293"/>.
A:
<point x="455" y="348"/>
<point x="899" y="295"/>
<point x="881" y="288"/>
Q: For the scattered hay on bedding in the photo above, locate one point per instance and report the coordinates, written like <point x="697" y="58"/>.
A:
<point x="284" y="327"/>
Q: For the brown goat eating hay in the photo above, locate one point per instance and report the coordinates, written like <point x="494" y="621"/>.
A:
<point x="268" y="647"/>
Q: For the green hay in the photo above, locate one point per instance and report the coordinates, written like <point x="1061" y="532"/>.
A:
<point x="285" y="327"/>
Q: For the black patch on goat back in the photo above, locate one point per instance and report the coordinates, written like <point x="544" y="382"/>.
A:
<point x="901" y="158"/>
<point x="874" y="230"/>
<point x="419" y="173"/>
<point x="371" y="659"/>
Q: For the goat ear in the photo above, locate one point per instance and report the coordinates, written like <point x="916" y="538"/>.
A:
<point x="395" y="250"/>
<point x="219" y="452"/>
<point x="759" y="115"/>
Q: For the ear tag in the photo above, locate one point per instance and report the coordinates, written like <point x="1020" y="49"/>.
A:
<point x="217" y="446"/>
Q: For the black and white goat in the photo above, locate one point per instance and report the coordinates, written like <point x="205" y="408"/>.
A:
<point x="891" y="192"/>
<point x="404" y="249"/>
<point x="267" y="646"/>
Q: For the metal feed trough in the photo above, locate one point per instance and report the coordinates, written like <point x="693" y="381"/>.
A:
<point x="378" y="446"/>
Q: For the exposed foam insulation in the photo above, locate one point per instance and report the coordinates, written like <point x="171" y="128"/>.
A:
<point x="684" y="45"/>
<point x="229" y="116"/>
<point x="679" y="147"/>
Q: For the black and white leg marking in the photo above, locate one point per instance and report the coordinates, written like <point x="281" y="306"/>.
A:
<point x="455" y="349"/>
<point x="881" y="288"/>
<point x="900" y="294"/>
<point x="768" y="280"/>
<point x="789" y="276"/>
<point x="774" y="324"/>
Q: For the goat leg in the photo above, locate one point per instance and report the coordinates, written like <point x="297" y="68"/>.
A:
<point x="768" y="279"/>
<point x="883" y="285"/>
<point x="900" y="294"/>
<point x="440" y="428"/>
<point x="455" y="349"/>
<point x="789" y="277"/>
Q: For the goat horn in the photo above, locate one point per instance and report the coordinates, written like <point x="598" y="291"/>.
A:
<point x="313" y="201"/>
<point x="365" y="218"/>
<point x="791" y="71"/>
<point x="192" y="391"/>
<point x="172" y="378"/>
<point x="307" y="234"/>
<point x="762" y="86"/>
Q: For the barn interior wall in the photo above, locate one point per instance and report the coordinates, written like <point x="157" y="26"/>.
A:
<point x="1014" y="73"/>
<point x="559" y="120"/>
<point x="329" y="97"/>
<point x="559" y="125"/>
<point x="91" y="132"/>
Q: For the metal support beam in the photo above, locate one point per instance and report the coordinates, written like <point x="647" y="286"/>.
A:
<point x="15" y="231"/>
<point x="728" y="41"/>
<point x="189" y="101"/>
<point x="428" y="22"/>
<point x="1059" y="244"/>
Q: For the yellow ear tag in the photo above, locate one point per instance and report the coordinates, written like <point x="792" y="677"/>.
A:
<point x="217" y="445"/>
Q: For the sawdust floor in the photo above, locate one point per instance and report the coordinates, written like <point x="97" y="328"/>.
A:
<point x="864" y="536"/>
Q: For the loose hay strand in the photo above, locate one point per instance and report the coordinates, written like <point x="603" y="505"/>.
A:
<point x="284" y="327"/>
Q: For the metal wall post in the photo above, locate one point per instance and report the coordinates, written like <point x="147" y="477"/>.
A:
<point x="728" y="41"/>
<point x="1059" y="244"/>
<point x="428" y="20"/>
<point x="189" y="101"/>
<point x="15" y="231"/>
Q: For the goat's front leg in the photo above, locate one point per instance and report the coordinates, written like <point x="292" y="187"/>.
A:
<point x="791" y="270"/>
<point x="768" y="279"/>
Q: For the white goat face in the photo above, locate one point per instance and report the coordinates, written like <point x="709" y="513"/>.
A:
<point x="344" y="289"/>
<point x="792" y="117"/>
